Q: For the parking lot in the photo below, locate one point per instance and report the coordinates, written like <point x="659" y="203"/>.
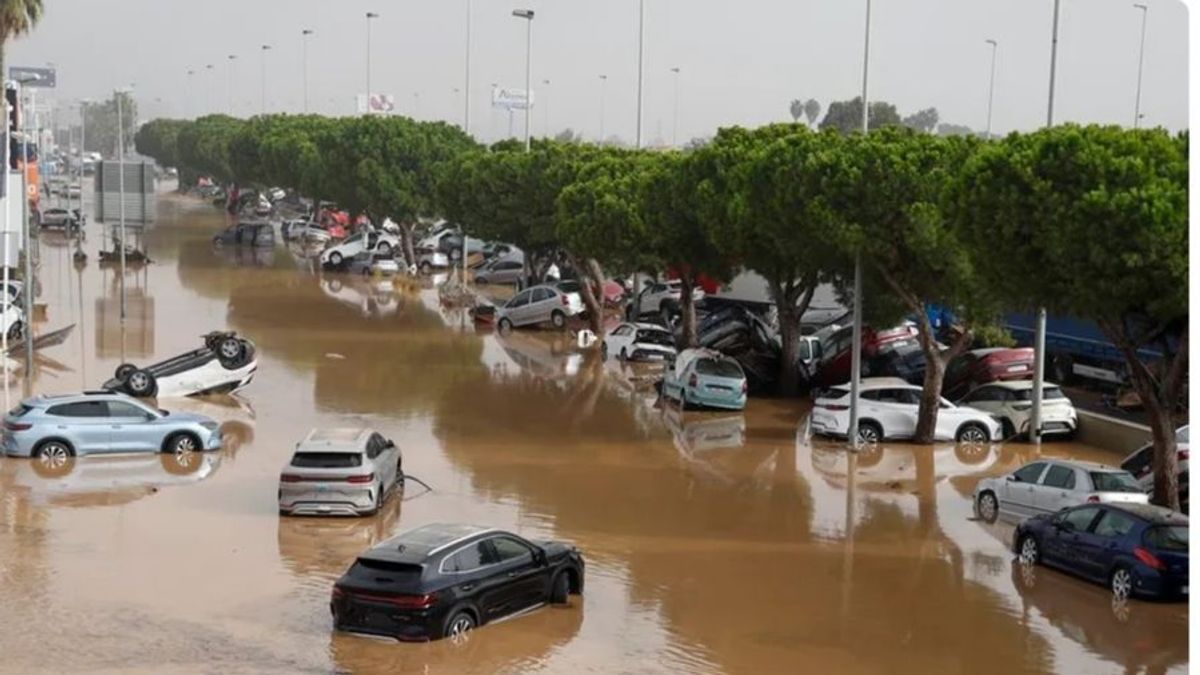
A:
<point x="716" y="542"/>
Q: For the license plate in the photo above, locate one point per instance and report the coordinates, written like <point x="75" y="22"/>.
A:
<point x="654" y="357"/>
<point x="1016" y="369"/>
<point x="322" y="488"/>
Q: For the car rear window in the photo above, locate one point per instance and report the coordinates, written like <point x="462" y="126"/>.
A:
<point x="835" y="393"/>
<point x="1114" y="481"/>
<point x="718" y="367"/>
<point x="327" y="460"/>
<point x="20" y="410"/>
<point x="656" y="337"/>
<point x="366" y="569"/>
<point x="1167" y="538"/>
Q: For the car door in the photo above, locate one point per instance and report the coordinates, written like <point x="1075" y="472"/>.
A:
<point x="1062" y="540"/>
<point x="1100" y="545"/>
<point x="132" y="428"/>
<point x="1139" y="464"/>
<point x="541" y="304"/>
<point x="1056" y="490"/>
<point x="476" y="579"/>
<point x="985" y="398"/>
<point x="386" y="455"/>
<point x="1018" y="494"/>
<point x="372" y="241"/>
<point x="620" y="339"/>
<point x="84" y="423"/>
<point x="515" y="309"/>
<point x="896" y="410"/>
<point x="528" y="581"/>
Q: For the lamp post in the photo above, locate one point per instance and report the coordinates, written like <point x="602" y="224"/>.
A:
<point x="641" y="69"/>
<point x="675" y="122"/>
<point x="212" y="103"/>
<point x="27" y="291"/>
<point x="1137" y="101"/>
<point x="263" y="52"/>
<point x="603" y="91"/>
<point x="467" y="77"/>
<point x="304" y="63"/>
<point x="991" y="89"/>
<point x="231" y="58"/>
<point x="856" y="339"/>
<point x="527" y="14"/>
<point x="117" y="94"/>
<point x="546" y="116"/>
<point x="191" y="92"/>
<point x="370" y="15"/>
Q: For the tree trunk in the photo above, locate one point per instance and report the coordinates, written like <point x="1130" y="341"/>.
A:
<point x="790" y="312"/>
<point x="593" y="291"/>
<point x="406" y="240"/>
<point x="687" y="311"/>
<point x="935" y="373"/>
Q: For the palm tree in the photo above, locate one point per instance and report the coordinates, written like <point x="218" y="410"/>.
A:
<point x="17" y="17"/>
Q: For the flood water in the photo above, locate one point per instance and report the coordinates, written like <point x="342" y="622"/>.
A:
<point x="715" y="543"/>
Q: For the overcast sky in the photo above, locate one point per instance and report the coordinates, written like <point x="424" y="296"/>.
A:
<point x="740" y="62"/>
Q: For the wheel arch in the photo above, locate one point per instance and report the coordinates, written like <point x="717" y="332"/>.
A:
<point x="59" y="438"/>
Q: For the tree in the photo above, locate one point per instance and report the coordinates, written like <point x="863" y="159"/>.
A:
<point x="1093" y="222"/>
<point x="945" y="129"/>
<point x="846" y="116"/>
<point x="203" y="146"/>
<point x="158" y="138"/>
<point x="812" y="110"/>
<point x="17" y="17"/>
<point x="101" y="120"/>
<point x="796" y="108"/>
<point x="883" y="193"/>
<point x="923" y="120"/>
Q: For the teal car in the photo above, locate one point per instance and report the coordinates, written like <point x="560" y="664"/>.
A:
<point x="705" y="378"/>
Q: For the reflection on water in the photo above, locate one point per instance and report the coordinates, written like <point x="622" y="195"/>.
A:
<point x="98" y="480"/>
<point x="715" y="542"/>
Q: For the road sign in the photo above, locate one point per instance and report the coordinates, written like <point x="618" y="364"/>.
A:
<point x="46" y="78"/>
<point x="511" y="99"/>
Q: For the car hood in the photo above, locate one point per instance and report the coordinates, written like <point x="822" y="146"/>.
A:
<point x="186" y="417"/>
<point x="557" y="549"/>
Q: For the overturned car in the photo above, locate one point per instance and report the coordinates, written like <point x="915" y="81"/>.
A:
<point x="225" y="364"/>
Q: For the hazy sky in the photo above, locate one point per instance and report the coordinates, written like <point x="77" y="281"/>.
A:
<point x="741" y="62"/>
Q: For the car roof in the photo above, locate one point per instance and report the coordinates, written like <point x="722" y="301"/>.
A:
<point x="870" y="383"/>
<point x="1015" y="385"/>
<point x="416" y="546"/>
<point x="42" y="400"/>
<point x="1156" y="515"/>
<point x="347" y="439"/>
<point x="1079" y="464"/>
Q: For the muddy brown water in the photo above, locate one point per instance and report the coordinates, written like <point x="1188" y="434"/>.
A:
<point x="716" y="543"/>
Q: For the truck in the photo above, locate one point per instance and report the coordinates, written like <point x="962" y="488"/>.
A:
<point x="1076" y="349"/>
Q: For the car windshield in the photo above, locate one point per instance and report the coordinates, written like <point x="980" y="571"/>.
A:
<point x="1167" y="537"/>
<point x="656" y="337"/>
<point x="1114" y="481"/>
<point x="327" y="460"/>
<point x="1048" y="394"/>
<point x="719" y="368"/>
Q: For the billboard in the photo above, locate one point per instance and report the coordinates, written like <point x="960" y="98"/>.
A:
<point x="45" y="78"/>
<point x="377" y="104"/>
<point x="511" y="99"/>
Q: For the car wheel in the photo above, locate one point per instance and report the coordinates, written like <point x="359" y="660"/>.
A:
<point x="141" y="384"/>
<point x="183" y="463"/>
<point x="53" y="459"/>
<point x="335" y="259"/>
<point x="124" y="371"/>
<point x="182" y="443"/>
<point x="972" y="433"/>
<point x="459" y="625"/>
<point x="560" y="589"/>
<point x="869" y="433"/>
<point x="987" y="507"/>
<point x="230" y="351"/>
<point x="558" y="319"/>
<point x="505" y="326"/>
<point x="1029" y="552"/>
<point x="1121" y="582"/>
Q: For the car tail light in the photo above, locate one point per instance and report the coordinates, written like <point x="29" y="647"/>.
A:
<point x="358" y="480"/>
<point x="693" y="380"/>
<point x="1148" y="558"/>
<point x="337" y="593"/>
<point x="18" y="426"/>
<point x="744" y="386"/>
<point x="565" y="300"/>
<point x="406" y="601"/>
<point x="1182" y="455"/>
<point x="1094" y="499"/>
<point x="834" y="406"/>
<point x="290" y="478"/>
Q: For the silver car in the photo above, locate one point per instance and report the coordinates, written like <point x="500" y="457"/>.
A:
<point x="55" y="428"/>
<point x="343" y="472"/>
<point x="507" y="271"/>
<point x="1050" y="485"/>
<point x="538" y="305"/>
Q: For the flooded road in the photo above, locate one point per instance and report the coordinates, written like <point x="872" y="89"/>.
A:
<point x="715" y="543"/>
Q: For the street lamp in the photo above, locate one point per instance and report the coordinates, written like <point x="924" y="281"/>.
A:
<point x="28" y="291"/>
<point x="856" y="339"/>
<point x="117" y="95"/>
<point x="416" y="104"/>
<point x="641" y="70"/>
<point x="675" y="123"/>
<point x="212" y="105"/>
<point x="527" y="14"/>
<point x="467" y="78"/>
<point x="304" y="63"/>
<point x="603" y="89"/>
<point x="991" y="89"/>
<point x="370" y="15"/>
<point x="191" y="91"/>
<point x="231" y="58"/>
<point x="265" y="49"/>
<point x="546" y="117"/>
<point x="1137" y="102"/>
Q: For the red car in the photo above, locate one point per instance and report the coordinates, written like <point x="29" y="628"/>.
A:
<point x="980" y="366"/>
<point x="834" y="368"/>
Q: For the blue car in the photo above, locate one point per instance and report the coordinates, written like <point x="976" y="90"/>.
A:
<point x="705" y="378"/>
<point x="1135" y="549"/>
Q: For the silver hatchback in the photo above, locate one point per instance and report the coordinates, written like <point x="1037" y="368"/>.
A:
<point x="340" y="472"/>
<point x="539" y="305"/>
<point x="1050" y="485"/>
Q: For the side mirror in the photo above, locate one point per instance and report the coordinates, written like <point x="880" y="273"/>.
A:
<point x="1012" y="478"/>
<point x="1064" y="525"/>
<point x="391" y="443"/>
<point x="539" y="557"/>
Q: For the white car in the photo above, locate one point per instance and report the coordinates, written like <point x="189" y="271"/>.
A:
<point x="373" y="241"/>
<point x="346" y="472"/>
<point x="1011" y="402"/>
<point x="12" y="316"/>
<point x="1141" y="464"/>
<point x="429" y="259"/>
<point x="1050" y="485"/>
<point x="225" y="364"/>
<point x="887" y="408"/>
<point x="639" y="342"/>
<point x="662" y="297"/>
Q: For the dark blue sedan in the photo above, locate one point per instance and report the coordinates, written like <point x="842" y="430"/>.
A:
<point x="1136" y="549"/>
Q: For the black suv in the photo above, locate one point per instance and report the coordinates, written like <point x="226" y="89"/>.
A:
<point x="444" y="580"/>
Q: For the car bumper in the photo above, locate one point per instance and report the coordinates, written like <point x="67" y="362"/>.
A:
<point x="826" y="425"/>
<point x="17" y="447"/>
<point x="1155" y="584"/>
<point x="371" y="618"/>
<point x="735" y="402"/>
<point x="340" y="501"/>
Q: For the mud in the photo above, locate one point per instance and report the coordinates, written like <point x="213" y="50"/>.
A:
<point x="716" y="543"/>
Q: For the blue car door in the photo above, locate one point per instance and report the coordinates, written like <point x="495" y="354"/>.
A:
<point x="1101" y="546"/>
<point x="1062" y="546"/>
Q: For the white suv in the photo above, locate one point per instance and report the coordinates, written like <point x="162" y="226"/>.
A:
<point x="887" y="408"/>
<point x="345" y="472"/>
<point x="661" y="297"/>
<point x="372" y="240"/>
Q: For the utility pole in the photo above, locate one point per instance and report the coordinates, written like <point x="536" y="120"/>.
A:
<point x="263" y="52"/>
<point x="304" y="63"/>
<point x="1137" y="102"/>
<point x="991" y="90"/>
<point x="370" y="15"/>
<point x="641" y="67"/>
<point x="856" y="340"/>
<point x="467" y="78"/>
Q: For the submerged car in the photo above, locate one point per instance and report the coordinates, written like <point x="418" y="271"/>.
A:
<point x="1011" y="402"/>
<point x="444" y="580"/>
<point x="639" y="342"/>
<point x="344" y="472"/>
<point x="1141" y="465"/>
<point x="246" y="234"/>
<point x="67" y="219"/>
<point x="706" y="378"/>
<point x="888" y="408"/>
<point x="372" y="241"/>
<point x="54" y="428"/>
<point x="538" y="305"/>
<point x="225" y="364"/>
<point x="504" y="271"/>
<point x="1046" y="486"/>
<point x="367" y="263"/>
<point x="1134" y="549"/>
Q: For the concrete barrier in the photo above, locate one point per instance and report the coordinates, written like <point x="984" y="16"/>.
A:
<point x="1110" y="433"/>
